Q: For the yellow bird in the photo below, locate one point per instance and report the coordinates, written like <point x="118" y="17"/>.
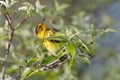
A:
<point x="44" y="32"/>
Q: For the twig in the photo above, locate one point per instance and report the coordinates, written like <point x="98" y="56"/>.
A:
<point x="7" y="53"/>
<point x="16" y="10"/>
<point x="10" y="38"/>
<point x="55" y="64"/>
<point x="19" y="24"/>
<point x="8" y="18"/>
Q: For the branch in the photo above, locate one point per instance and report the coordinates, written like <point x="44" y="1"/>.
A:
<point x="19" y="24"/>
<point x="56" y="63"/>
<point x="7" y="54"/>
<point x="16" y="10"/>
<point x="10" y="38"/>
<point x="8" y="18"/>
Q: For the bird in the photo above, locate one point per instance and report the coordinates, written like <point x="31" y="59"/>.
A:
<point x="44" y="32"/>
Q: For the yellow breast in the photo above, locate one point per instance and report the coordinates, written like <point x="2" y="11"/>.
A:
<point x="52" y="47"/>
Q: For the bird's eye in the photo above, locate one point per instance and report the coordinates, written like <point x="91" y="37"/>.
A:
<point x="38" y="28"/>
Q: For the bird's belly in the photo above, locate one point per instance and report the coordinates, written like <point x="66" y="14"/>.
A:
<point x="52" y="47"/>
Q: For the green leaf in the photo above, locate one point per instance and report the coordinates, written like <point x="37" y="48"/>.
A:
<point x="84" y="46"/>
<point x="60" y="7"/>
<point x="72" y="50"/>
<point x="27" y="4"/>
<point x="94" y="30"/>
<point x="4" y="36"/>
<point x="28" y="7"/>
<point x="31" y="62"/>
<point x="58" y="38"/>
<point x="35" y="61"/>
<point x="85" y="59"/>
<point x="73" y="35"/>
<point x="13" y="2"/>
<point x="49" y="59"/>
<point x="27" y="72"/>
<point x="61" y="53"/>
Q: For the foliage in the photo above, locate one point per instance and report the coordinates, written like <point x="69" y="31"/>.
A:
<point x="28" y="59"/>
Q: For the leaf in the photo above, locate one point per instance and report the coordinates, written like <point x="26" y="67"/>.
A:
<point x="72" y="50"/>
<point x="26" y="73"/>
<point x="110" y="30"/>
<point x="8" y="3"/>
<point x="24" y="8"/>
<point x="73" y="35"/>
<point x="58" y="38"/>
<point x="49" y="59"/>
<point x="34" y="62"/>
<point x="31" y="62"/>
<point x="94" y="30"/>
<point x="27" y="4"/>
<point x="85" y="59"/>
<point x="2" y="59"/>
<point x="32" y="75"/>
<point x="60" y="7"/>
<point x="38" y="6"/>
<point x="84" y="46"/>
<point x="28" y="7"/>
<point x="3" y="3"/>
<point x="12" y="2"/>
<point x="4" y="36"/>
<point x="61" y="52"/>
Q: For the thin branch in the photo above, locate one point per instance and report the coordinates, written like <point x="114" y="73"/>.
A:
<point x="16" y="10"/>
<point x="8" y="18"/>
<point x="7" y="54"/>
<point x="55" y="64"/>
<point x="19" y="24"/>
<point x="11" y="34"/>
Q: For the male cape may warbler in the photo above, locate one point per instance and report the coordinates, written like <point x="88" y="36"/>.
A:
<point x="44" y="32"/>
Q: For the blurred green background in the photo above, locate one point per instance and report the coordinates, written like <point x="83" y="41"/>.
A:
<point x="102" y="13"/>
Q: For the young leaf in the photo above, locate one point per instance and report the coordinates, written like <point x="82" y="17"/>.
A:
<point x="110" y="30"/>
<point x="84" y="46"/>
<point x="38" y="6"/>
<point x="72" y="50"/>
<point x="12" y="2"/>
<point x="3" y="3"/>
<point x="85" y="59"/>
<point x="31" y="62"/>
<point x="24" y="8"/>
<point x="26" y="73"/>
